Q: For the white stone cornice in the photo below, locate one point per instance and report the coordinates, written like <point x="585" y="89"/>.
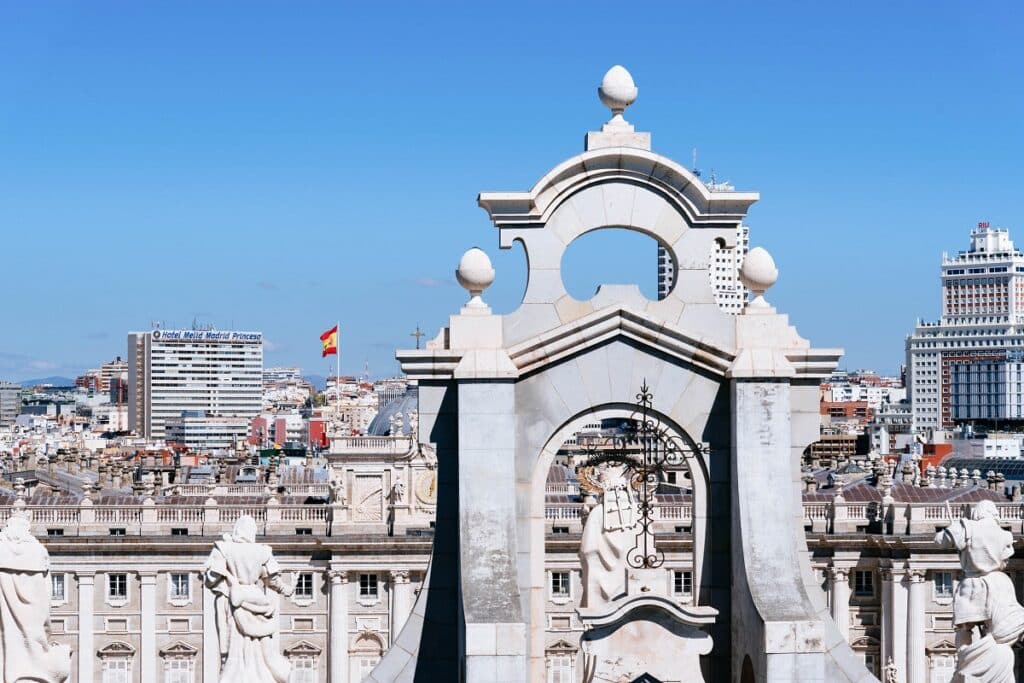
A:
<point x="663" y="176"/>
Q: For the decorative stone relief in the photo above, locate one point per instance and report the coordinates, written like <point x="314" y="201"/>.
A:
<point x="368" y="498"/>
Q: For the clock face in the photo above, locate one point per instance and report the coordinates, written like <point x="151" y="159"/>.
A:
<point x="426" y="487"/>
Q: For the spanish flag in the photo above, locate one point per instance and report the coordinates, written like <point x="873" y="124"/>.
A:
<point x="330" y="341"/>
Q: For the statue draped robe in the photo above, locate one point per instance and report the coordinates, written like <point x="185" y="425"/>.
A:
<point x="25" y="650"/>
<point x="238" y="573"/>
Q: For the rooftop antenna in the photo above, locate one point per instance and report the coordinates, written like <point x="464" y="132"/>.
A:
<point x="696" y="171"/>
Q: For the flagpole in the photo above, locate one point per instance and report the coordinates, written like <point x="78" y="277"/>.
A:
<point x="337" y="376"/>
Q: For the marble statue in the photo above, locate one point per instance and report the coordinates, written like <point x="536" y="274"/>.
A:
<point x="336" y="490"/>
<point x="398" y="491"/>
<point x="986" y="615"/>
<point x="238" y="572"/>
<point x="26" y="653"/>
<point x="608" y="534"/>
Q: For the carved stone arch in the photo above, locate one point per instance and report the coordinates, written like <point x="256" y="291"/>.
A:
<point x="117" y="648"/>
<point x="302" y="648"/>
<point x="865" y="643"/>
<point x="369" y="642"/>
<point x="561" y="647"/>
<point x="178" y="649"/>
<point x="943" y="647"/>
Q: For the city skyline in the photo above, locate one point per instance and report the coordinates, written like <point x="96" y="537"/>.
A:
<point x="191" y="184"/>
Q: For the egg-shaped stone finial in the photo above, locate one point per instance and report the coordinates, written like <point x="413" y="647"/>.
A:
<point x="617" y="90"/>
<point x="475" y="273"/>
<point x="758" y="273"/>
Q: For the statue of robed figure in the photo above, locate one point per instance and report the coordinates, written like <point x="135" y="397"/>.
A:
<point x="26" y="653"/>
<point x="987" y="617"/>
<point x="239" y="572"/>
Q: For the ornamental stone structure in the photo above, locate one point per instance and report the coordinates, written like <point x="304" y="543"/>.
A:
<point x="499" y="394"/>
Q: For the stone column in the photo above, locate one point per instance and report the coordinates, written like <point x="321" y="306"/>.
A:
<point x="839" y="580"/>
<point x="147" y="653"/>
<point x="86" y="643"/>
<point x="211" y="645"/>
<point x="337" y="627"/>
<point x="401" y="601"/>
<point x="917" y="662"/>
<point x="894" y="619"/>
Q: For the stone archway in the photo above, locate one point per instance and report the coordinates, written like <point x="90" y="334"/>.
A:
<point x="532" y="497"/>
<point x="495" y="391"/>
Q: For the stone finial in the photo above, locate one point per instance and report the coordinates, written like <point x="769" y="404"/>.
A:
<point x="617" y="91"/>
<point x="475" y="274"/>
<point x="758" y="273"/>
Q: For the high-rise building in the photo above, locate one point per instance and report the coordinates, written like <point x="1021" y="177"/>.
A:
<point x="968" y="365"/>
<point x="10" y="403"/>
<point x="173" y="371"/>
<point x="98" y="379"/>
<point x="730" y="294"/>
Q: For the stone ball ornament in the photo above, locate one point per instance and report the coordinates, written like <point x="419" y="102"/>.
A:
<point x="475" y="273"/>
<point x="758" y="273"/>
<point x="617" y="90"/>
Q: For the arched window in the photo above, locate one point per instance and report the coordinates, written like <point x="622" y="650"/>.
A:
<point x="365" y="654"/>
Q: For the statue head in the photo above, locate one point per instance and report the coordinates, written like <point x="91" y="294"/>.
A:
<point x="18" y="529"/>
<point x="986" y="509"/>
<point x="245" y="530"/>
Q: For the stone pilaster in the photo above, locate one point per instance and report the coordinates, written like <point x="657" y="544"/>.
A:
<point x="337" y="627"/>
<point x="148" y="654"/>
<point x="401" y="601"/>
<point x="839" y="585"/>
<point x="211" y="646"/>
<point x="86" y="642"/>
<point x="917" y="661"/>
<point x="894" y="618"/>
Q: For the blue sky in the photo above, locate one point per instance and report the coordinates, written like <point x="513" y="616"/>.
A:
<point x="278" y="166"/>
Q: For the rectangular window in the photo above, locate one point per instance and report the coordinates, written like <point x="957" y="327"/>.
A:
<point x="54" y="532"/>
<point x="942" y="583"/>
<point x="560" y="669"/>
<point x="304" y="531"/>
<point x="117" y="531"/>
<point x="57" y="587"/>
<point x="682" y="583"/>
<point x="180" y="587"/>
<point x="303" y="670"/>
<point x="863" y="583"/>
<point x="304" y="586"/>
<point x="178" y="670"/>
<point x="117" y="671"/>
<point x="368" y="586"/>
<point x="366" y="665"/>
<point x="117" y="586"/>
<point x="179" y="531"/>
<point x="560" y="584"/>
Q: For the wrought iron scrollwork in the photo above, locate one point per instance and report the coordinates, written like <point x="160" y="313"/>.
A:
<point x="645" y="449"/>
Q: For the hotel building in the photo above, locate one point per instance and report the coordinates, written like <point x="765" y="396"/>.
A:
<point x="967" y="366"/>
<point x="173" y="371"/>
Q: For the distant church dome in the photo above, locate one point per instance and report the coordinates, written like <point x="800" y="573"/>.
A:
<point x="404" y="404"/>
